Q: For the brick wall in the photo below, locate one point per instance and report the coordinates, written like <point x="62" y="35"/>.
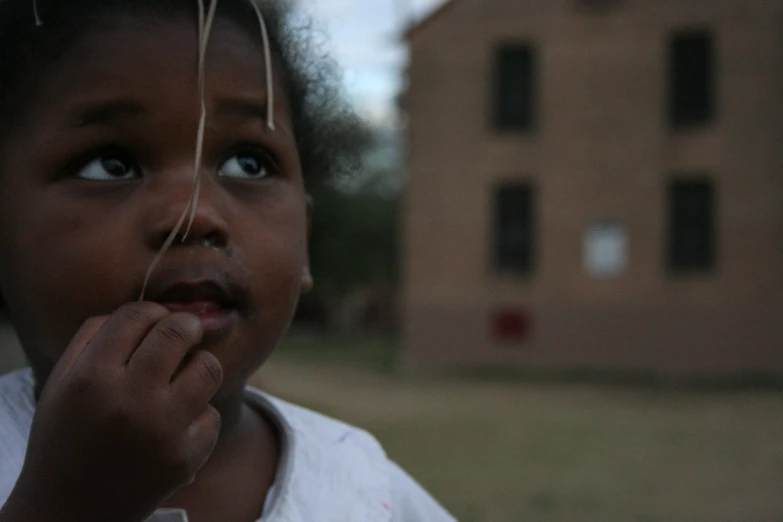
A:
<point x="602" y="150"/>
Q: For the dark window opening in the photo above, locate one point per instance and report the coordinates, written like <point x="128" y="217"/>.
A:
<point x="515" y="88"/>
<point x="514" y="229"/>
<point x="691" y="225"/>
<point x="691" y="79"/>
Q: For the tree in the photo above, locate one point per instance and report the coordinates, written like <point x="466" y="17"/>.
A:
<point x="353" y="243"/>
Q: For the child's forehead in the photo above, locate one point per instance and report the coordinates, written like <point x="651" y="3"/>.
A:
<point x="162" y="59"/>
<point x="118" y="74"/>
<point x="174" y="38"/>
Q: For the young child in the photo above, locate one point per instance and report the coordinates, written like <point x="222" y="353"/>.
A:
<point x="136" y="408"/>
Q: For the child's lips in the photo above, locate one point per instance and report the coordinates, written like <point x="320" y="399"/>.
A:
<point x="214" y="317"/>
<point x="215" y="303"/>
<point x="199" y="307"/>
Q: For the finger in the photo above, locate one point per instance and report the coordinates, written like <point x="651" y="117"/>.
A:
<point x="165" y="346"/>
<point x="197" y="382"/>
<point x="76" y="347"/>
<point x="202" y="437"/>
<point x="79" y="342"/>
<point x="123" y="331"/>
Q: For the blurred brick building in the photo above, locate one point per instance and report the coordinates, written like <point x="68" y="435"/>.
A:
<point x="596" y="184"/>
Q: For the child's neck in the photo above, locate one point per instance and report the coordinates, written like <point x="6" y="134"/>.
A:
<point x="239" y="422"/>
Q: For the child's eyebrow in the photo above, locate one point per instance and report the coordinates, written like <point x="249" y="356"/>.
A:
<point x="109" y="111"/>
<point x="105" y="112"/>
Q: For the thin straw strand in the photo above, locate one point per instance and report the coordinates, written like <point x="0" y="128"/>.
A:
<point x="38" y="21"/>
<point x="202" y="125"/>
<point x="204" y="27"/>
<point x="166" y="245"/>
<point x="270" y="95"/>
<point x="204" y="30"/>
<point x="201" y="25"/>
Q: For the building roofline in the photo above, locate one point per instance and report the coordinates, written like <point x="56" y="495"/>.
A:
<point x="419" y="25"/>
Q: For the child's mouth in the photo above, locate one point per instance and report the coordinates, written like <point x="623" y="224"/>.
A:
<point x="213" y="304"/>
<point x="199" y="307"/>
<point x="214" y="317"/>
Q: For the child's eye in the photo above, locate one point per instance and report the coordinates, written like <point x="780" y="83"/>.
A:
<point x="246" y="165"/>
<point x="109" y="168"/>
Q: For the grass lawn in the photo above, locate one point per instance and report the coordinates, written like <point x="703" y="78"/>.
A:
<point x="518" y="451"/>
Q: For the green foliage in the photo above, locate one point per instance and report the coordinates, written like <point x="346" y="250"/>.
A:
<point x="353" y="242"/>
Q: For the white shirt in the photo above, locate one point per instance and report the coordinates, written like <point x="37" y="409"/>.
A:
<point x="329" y="471"/>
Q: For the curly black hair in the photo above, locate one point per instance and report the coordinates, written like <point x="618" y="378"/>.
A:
<point x="330" y="138"/>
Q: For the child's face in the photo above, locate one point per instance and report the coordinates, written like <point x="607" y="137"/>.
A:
<point x="101" y="169"/>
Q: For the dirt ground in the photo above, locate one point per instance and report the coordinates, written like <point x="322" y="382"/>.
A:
<point x="514" y="451"/>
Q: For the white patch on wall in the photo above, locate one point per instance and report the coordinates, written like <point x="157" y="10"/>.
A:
<point x="606" y="250"/>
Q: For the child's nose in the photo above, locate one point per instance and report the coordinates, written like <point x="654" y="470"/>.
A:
<point x="166" y="208"/>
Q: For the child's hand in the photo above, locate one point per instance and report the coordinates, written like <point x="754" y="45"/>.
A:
<point x="121" y="424"/>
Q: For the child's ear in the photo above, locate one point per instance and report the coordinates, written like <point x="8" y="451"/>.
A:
<point x="307" y="276"/>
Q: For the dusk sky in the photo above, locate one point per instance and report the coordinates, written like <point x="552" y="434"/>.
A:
<point x="364" y="37"/>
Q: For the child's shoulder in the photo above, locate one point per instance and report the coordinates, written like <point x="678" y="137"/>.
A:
<point x="326" y="465"/>
<point x="17" y="402"/>
<point x="333" y="467"/>
<point x="17" y="407"/>
<point x="322" y="439"/>
<point x="316" y="427"/>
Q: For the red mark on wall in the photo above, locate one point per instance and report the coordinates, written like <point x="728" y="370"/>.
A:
<point x="512" y="325"/>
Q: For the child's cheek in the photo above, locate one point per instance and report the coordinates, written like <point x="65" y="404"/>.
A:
<point x="65" y="268"/>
